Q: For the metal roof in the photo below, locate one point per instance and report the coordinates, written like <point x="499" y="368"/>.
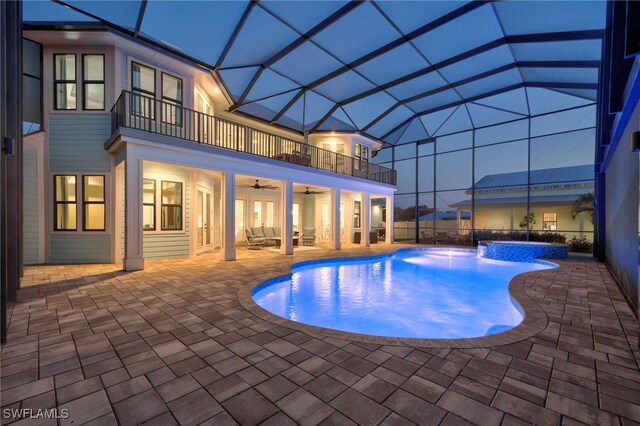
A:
<point x="544" y="177"/>
<point x="386" y="69"/>
<point x="543" y="199"/>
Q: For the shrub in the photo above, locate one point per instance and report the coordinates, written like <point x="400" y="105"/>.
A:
<point x="580" y="245"/>
<point x="548" y="237"/>
<point x="544" y="237"/>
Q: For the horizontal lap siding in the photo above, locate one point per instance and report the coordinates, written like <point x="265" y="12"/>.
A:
<point x="76" y="145"/>
<point x="80" y="248"/>
<point x="76" y="142"/>
<point x="30" y="206"/>
<point x="165" y="246"/>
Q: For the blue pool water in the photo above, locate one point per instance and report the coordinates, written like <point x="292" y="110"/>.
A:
<point x="422" y="293"/>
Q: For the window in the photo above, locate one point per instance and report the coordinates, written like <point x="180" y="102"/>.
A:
<point x="549" y="221"/>
<point x="356" y="214"/>
<point x="93" y="218"/>
<point x="66" y="200"/>
<point x="93" y="82"/>
<point x="65" y="81"/>
<point x="32" y="87"/>
<point x="149" y="205"/>
<point x="361" y="154"/>
<point x="143" y="86"/>
<point x="171" y="208"/>
<point x="65" y="203"/>
<point x="171" y="100"/>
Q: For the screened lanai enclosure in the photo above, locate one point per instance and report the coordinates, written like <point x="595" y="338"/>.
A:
<point x="509" y="166"/>
<point x="487" y="111"/>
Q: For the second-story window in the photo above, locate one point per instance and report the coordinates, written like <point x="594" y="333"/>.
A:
<point x="171" y="100"/>
<point x="361" y="154"/>
<point x="65" y="86"/>
<point x="93" y="82"/>
<point x="143" y="86"/>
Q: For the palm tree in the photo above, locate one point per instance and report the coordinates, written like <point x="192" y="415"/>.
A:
<point x="584" y="203"/>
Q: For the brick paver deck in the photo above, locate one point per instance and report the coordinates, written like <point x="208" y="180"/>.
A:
<point x="174" y="344"/>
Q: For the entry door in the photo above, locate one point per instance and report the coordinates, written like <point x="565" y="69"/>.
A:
<point x="204" y="227"/>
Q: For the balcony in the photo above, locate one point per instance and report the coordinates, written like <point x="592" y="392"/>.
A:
<point x="139" y="112"/>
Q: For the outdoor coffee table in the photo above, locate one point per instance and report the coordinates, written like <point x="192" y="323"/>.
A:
<point x="278" y="241"/>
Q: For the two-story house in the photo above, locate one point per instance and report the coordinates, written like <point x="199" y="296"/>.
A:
<point x="131" y="154"/>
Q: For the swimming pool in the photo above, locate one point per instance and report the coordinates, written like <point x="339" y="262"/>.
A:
<point x="417" y="293"/>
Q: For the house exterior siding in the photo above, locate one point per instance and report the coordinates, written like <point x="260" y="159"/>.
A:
<point x="76" y="142"/>
<point x="80" y="248"/>
<point x="195" y="149"/>
<point x="30" y="207"/>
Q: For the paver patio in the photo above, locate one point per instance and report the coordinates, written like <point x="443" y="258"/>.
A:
<point x="173" y="344"/>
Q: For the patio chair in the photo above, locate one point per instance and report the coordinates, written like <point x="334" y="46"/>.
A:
<point x="252" y="241"/>
<point x="309" y="236"/>
<point x="426" y="237"/>
<point x="441" y="237"/>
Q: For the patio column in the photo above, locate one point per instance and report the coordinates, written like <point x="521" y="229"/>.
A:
<point x="389" y="222"/>
<point x="133" y="240"/>
<point x="228" y="216"/>
<point x="335" y="220"/>
<point x="286" y="244"/>
<point x="366" y="219"/>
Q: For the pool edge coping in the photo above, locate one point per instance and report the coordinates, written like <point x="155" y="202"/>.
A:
<point x="534" y="322"/>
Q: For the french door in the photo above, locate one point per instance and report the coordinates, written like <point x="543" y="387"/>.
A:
<point x="204" y="226"/>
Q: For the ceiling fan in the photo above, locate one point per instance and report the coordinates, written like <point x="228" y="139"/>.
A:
<point x="258" y="186"/>
<point x="307" y="192"/>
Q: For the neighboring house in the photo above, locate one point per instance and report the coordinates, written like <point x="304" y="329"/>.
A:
<point x="501" y="200"/>
<point x="132" y="155"/>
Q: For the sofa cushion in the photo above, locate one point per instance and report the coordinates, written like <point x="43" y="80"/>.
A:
<point x="268" y="232"/>
<point x="257" y="232"/>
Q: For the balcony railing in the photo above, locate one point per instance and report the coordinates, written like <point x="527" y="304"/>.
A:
<point x="136" y="111"/>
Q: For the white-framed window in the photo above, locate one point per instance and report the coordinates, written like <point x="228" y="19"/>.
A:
<point x="550" y="221"/>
